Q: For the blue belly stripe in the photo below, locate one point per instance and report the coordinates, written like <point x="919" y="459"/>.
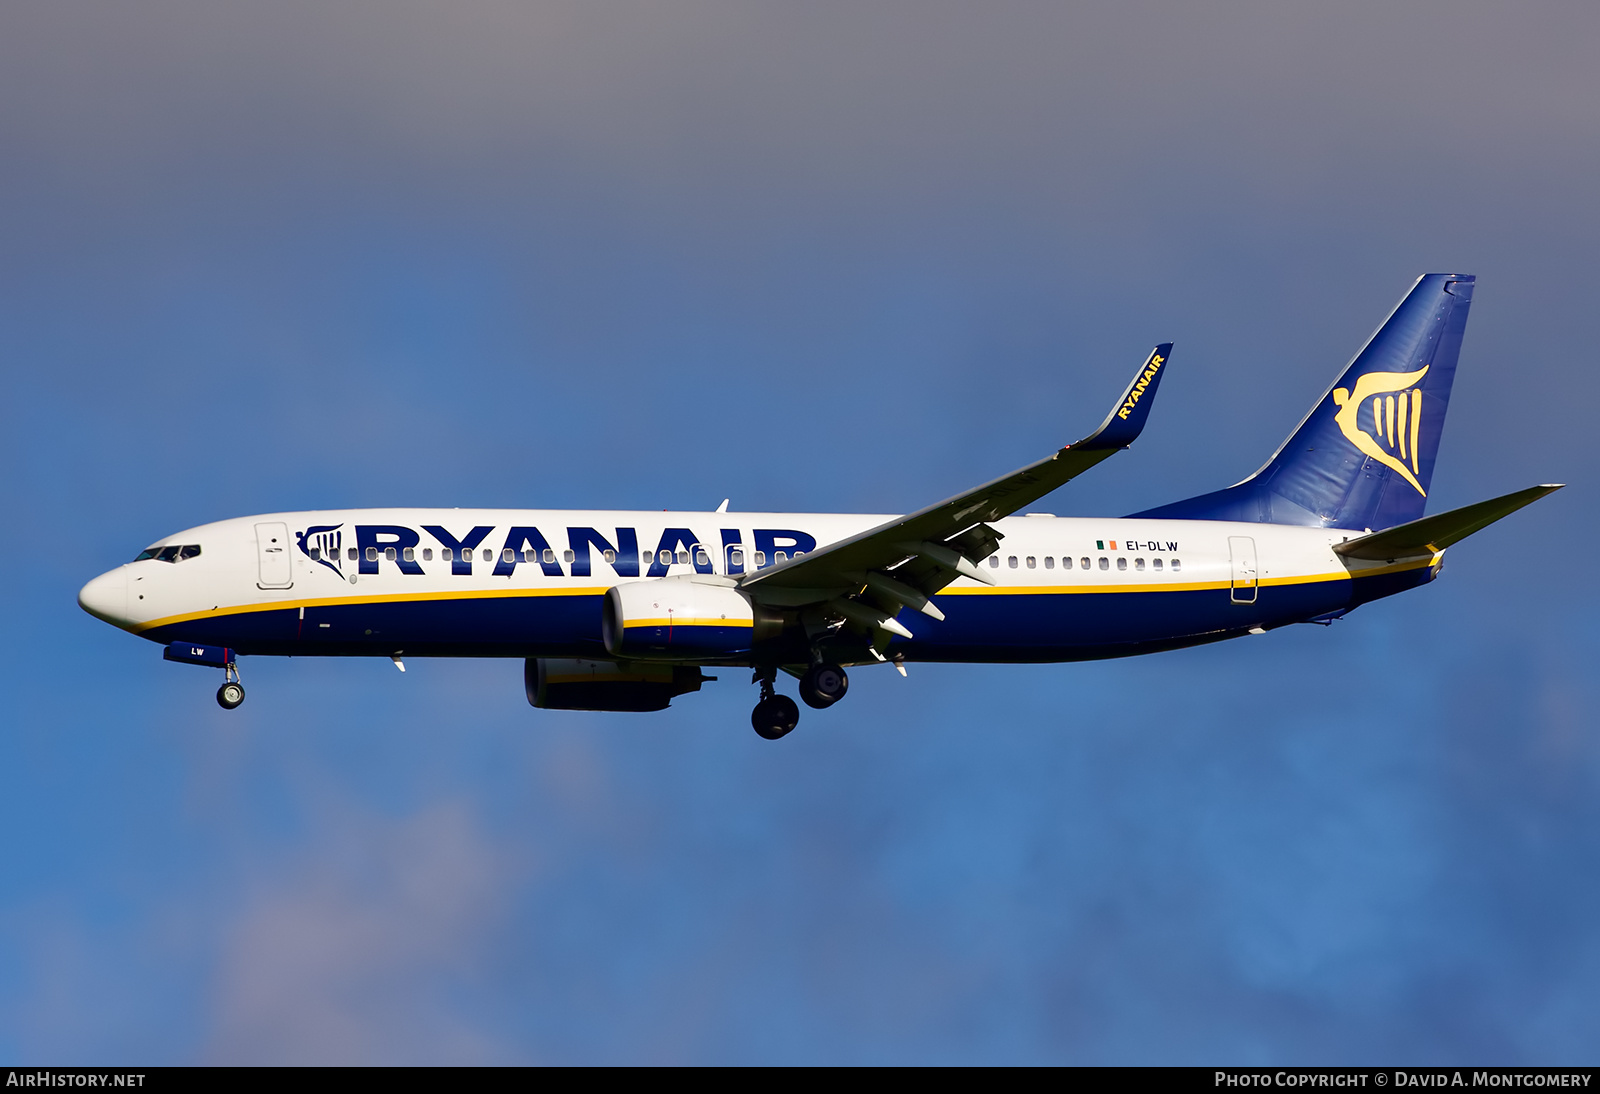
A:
<point x="1016" y="626"/>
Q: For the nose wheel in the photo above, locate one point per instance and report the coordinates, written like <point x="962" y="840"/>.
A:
<point x="231" y="693"/>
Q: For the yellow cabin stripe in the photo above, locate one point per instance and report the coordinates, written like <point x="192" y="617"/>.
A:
<point x="680" y="622"/>
<point x="1181" y="587"/>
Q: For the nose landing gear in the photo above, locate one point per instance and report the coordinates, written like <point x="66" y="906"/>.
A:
<point x="231" y="693"/>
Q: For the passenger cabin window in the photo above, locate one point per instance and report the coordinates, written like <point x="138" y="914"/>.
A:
<point x="1138" y="564"/>
<point x="409" y="554"/>
<point x="388" y="553"/>
<point x="508" y="555"/>
<point x="447" y="554"/>
<point x="665" y="558"/>
<point x="609" y="555"/>
<point x="1083" y="564"/>
<point x="1156" y="564"/>
<point x="761" y="558"/>
<point x="683" y="558"/>
<point x="1176" y="565"/>
<point x="1033" y="562"/>
<point x="1122" y="564"/>
<point x="1011" y="561"/>
<point x="316" y="553"/>
<point x="735" y="557"/>
<point x="488" y="555"/>
<point x="568" y="555"/>
<point x="549" y="555"/>
<point x="352" y="556"/>
<point x="1105" y="563"/>
<point x="701" y="558"/>
<point x="427" y="554"/>
<point x="780" y="556"/>
<point x="1049" y="562"/>
<point x="372" y="554"/>
<point x="994" y="562"/>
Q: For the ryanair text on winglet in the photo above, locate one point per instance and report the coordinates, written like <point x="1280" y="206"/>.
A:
<point x="1140" y="384"/>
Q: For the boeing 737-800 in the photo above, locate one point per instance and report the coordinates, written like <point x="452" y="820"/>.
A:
<point x="623" y="610"/>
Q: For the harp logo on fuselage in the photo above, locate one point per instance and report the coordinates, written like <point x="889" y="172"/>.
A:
<point x="1395" y="418"/>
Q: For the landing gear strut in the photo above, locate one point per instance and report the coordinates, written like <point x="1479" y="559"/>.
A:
<point x="231" y="693"/>
<point x="823" y="685"/>
<point x="775" y="715"/>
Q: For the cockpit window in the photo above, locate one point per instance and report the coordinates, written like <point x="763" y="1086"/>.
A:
<point x="171" y="552"/>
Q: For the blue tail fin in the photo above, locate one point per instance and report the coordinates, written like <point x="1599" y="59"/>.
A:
<point x="1363" y="458"/>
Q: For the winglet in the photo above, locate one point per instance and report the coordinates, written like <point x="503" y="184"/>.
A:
<point x="1126" y="420"/>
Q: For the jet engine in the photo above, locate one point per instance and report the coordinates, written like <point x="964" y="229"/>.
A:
<point x="555" y="683"/>
<point x="681" y="620"/>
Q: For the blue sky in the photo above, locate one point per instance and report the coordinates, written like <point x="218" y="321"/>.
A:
<point x="263" y="257"/>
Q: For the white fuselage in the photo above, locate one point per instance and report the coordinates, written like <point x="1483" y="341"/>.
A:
<point x="530" y="582"/>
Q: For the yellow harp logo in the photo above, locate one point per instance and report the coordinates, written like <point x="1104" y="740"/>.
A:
<point x="1396" y="419"/>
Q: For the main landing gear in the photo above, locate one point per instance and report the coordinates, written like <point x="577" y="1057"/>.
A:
<point x="823" y="685"/>
<point x="776" y="715"/>
<point x="231" y="693"/>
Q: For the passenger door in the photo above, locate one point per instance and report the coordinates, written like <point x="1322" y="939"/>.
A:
<point x="1242" y="553"/>
<point x="272" y="556"/>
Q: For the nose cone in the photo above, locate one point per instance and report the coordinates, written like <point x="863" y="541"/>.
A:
<point x="106" y="597"/>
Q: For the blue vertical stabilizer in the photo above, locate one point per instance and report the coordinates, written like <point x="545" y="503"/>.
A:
<point x="1363" y="458"/>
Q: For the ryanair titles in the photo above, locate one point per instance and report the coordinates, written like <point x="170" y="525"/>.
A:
<point x="365" y="548"/>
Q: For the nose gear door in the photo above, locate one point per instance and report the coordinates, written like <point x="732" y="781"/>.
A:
<point x="272" y="555"/>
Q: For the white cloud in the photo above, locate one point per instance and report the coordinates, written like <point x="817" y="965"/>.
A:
<point x="352" y="956"/>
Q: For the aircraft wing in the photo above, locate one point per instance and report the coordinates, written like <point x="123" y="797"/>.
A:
<point x="1431" y="534"/>
<point x="868" y="577"/>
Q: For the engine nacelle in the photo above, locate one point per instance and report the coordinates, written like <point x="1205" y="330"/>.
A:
<point x="556" y="683"/>
<point x="679" y="620"/>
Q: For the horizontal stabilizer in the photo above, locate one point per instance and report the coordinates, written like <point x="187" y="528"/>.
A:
<point x="1431" y="534"/>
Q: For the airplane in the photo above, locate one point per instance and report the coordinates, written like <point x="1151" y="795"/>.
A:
<point x="622" y="611"/>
